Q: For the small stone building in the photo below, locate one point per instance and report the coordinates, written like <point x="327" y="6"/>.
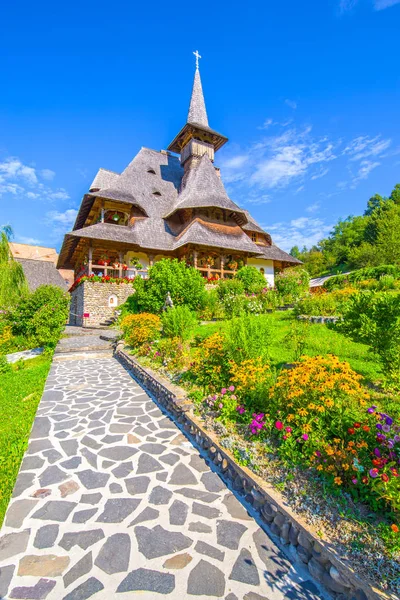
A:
<point x="166" y="204"/>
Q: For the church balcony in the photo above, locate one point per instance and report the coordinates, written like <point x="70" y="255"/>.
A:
<point x="112" y="271"/>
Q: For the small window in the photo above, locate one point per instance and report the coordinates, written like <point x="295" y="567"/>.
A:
<point x="156" y="194"/>
<point x="112" y="301"/>
<point x="152" y="171"/>
<point x="253" y="237"/>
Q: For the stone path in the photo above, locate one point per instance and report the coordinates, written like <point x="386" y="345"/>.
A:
<point x="113" y="501"/>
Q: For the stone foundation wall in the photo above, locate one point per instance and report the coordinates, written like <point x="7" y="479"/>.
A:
<point x="302" y="544"/>
<point x="92" y="297"/>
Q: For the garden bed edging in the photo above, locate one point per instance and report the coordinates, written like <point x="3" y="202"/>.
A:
<point x="301" y="542"/>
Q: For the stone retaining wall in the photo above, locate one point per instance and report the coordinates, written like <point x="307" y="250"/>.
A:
<point x="92" y="297"/>
<point x="313" y="319"/>
<point x="301" y="543"/>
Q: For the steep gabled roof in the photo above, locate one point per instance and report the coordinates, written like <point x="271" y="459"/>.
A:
<point x="204" y="189"/>
<point x="104" y="179"/>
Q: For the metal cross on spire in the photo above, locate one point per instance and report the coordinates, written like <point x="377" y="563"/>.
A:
<point x="197" y="55"/>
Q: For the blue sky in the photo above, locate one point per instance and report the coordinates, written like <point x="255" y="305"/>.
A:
<point x="307" y="92"/>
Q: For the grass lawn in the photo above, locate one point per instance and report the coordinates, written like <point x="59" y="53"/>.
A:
<point x="20" y="392"/>
<point x="320" y="340"/>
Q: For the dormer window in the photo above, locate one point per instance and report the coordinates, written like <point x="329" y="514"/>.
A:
<point x="152" y="171"/>
<point x="253" y="237"/>
<point x="156" y="193"/>
<point x="116" y="217"/>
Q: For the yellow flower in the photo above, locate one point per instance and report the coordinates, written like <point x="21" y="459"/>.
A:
<point x="338" y="480"/>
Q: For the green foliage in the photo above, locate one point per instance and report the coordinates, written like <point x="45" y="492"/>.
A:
<point x="42" y="315"/>
<point x="292" y="283"/>
<point x="185" y="284"/>
<point x="212" y="306"/>
<point x="297" y="338"/>
<point x="374" y="319"/>
<point x="355" y="277"/>
<point x="320" y="305"/>
<point x="248" y="337"/>
<point x="13" y="285"/>
<point x="253" y="281"/>
<point x="20" y="392"/>
<point x="229" y="287"/>
<point x="5" y="366"/>
<point x="178" y="322"/>
<point x="366" y="240"/>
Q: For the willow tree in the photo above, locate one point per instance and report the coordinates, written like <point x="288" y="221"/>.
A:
<point x="13" y="284"/>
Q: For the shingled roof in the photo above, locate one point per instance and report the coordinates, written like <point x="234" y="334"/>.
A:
<point x="197" y="109"/>
<point x="41" y="272"/>
<point x="205" y="189"/>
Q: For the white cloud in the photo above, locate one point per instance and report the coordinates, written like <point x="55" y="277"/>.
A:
<point x="304" y="231"/>
<point x="267" y="123"/>
<point x="21" y="239"/>
<point x="382" y="4"/>
<point x="291" y="103"/>
<point x="364" y="146"/>
<point x="235" y="162"/>
<point x="313" y="207"/>
<point x="366" y="166"/>
<point x="63" y="218"/>
<point x="322" y="172"/>
<point x="254" y="198"/>
<point x="47" y="174"/>
<point x="346" y="5"/>
<point x="19" y="179"/>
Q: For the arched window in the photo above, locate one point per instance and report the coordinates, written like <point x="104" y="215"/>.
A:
<point x="152" y="171"/>
<point x="112" y="301"/>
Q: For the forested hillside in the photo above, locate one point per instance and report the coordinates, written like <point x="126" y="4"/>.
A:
<point x="360" y="241"/>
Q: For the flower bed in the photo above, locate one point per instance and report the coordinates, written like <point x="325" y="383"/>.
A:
<point x="281" y="515"/>
<point x="100" y="279"/>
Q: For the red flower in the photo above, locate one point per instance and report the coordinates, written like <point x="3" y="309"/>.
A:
<point x="357" y="425"/>
<point x="351" y="430"/>
<point x="384" y="477"/>
<point x="366" y="428"/>
<point x="365" y="479"/>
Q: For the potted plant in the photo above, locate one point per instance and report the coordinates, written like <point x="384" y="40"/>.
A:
<point x="134" y="262"/>
<point x="104" y="260"/>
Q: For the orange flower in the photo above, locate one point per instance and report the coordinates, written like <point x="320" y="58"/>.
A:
<point x="394" y="528"/>
<point x="338" y="480"/>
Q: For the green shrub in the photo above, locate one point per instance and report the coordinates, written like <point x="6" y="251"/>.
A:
<point x="229" y="287"/>
<point x="212" y="307"/>
<point x="355" y="277"/>
<point x="185" y="284"/>
<point x="318" y="305"/>
<point x="248" y="337"/>
<point x="178" y="322"/>
<point x="253" y="281"/>
<point x="292" y="283"/>
<point x="374" y="318"/>
<point x="5" y="366"/>
<point x="386" y="282"/>
<point x="140" y="329"/>
<point x="42" y="315"/>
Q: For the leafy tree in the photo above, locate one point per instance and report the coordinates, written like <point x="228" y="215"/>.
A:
<point x="395" y="195"/>
<point x="295" y="252"/>
<point x="388" y="236"/>
<point x="13" y="285"/>
<point x="185" y="284"/>
<point x="376" y="201"/>
<point x="253" y="281"/>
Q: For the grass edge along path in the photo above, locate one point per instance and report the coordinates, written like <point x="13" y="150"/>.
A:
<point x="20" y="393"/>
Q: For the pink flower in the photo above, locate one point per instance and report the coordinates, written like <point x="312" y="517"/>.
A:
<point x="279" y="425"/>
<point x="220" y="405"/>
<point x="288" y="429"/>
<point x="285" y="437"/>
<point x="231" y="388"/>
<point x="223" y="391"/>
<point x="354" y="480"/>
<point x="305" y="437"/>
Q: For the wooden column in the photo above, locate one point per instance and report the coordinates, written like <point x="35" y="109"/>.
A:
<point x="151" y="259"/>
<point x="195" y="258"/>
<point x="222" y="260"/>
<point x="90" y="258"/>
<point x="102" y="212"/>
<point x="121" y="259"/>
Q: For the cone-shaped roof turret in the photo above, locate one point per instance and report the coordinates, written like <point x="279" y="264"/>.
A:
<point x="197" y="120"/>
<point x="197" y="110"/>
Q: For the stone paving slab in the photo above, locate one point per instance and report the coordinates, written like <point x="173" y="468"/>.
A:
<point x="112" y="501"/>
